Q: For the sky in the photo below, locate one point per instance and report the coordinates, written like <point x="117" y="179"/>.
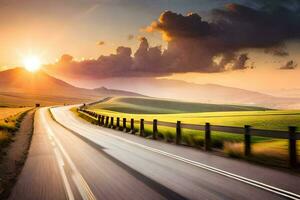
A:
<point x="52" y="28"/>
<point x="235" y="43"/>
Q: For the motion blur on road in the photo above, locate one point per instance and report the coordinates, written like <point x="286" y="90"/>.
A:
<point x="70" y="158"/>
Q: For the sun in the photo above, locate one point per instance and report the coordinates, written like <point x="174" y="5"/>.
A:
<point x="32" y="63"/>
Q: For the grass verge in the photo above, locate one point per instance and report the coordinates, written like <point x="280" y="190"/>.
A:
<point x="8" y="127"/>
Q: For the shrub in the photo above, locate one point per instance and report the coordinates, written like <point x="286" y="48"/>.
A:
<point x="215" y="143"/>
<point x="188" y="139"/>
<point x="160" y="135"/>
<point x="233" y="149"/>
<point x="4" y="139"/>
<point x="198" y="140"/>
<point x="169" y="136"/>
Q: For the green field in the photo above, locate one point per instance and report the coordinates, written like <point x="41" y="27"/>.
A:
<point x="234" y="116"/>
<point x="139" y="105"/>
<point x="196" y="113"/>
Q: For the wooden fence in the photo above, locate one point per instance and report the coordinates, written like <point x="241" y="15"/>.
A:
<point x="291" y="135"/>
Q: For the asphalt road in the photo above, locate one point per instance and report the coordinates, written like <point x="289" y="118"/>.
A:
<point x="73" y="159"/>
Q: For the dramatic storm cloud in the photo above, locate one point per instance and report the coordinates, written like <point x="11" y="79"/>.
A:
<point x="198" y="45"/>
<point x="195" y="42"/>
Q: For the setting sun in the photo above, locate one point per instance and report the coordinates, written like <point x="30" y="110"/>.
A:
<point x="32" y="63"/>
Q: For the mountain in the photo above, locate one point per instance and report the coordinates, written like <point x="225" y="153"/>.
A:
<point x="113" y="92"/>
<point x="205" y="93"/>
<point x="20" y="87"/>
<point x="292" y="93"/>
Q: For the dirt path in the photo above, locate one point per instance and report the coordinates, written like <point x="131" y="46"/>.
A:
<point x="15" y="157"/>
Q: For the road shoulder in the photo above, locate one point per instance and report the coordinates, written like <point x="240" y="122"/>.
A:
<point x="15" y="155"/>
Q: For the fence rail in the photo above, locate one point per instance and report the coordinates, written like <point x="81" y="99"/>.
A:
<point x="291" y="135"/>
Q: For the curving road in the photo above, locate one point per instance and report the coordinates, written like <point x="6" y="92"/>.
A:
<point x="72" y="159"/>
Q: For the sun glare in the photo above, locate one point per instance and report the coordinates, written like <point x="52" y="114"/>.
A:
<point x="32" y="63"/>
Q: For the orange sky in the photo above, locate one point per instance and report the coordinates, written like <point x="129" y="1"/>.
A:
<point x="264" y="80"/>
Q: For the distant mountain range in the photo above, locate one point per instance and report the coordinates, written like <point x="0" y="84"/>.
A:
<point x="20" y="87"/>
<point x="208" y="93"/>
<point x="291" y="93"/>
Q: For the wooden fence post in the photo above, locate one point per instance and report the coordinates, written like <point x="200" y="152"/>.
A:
<point x="99" y="118"/>
<point x="111" y="122"/>
<point x="207" y="137"/>
<point x="178" y="132"/>
<point x="292" y="147"/>
<point x="118" y="122"/>
<point x="124" y="125"/>
<point x="247" y="140"/>
<point x="106" y="121"/>
<point x="142" y="128"/>
<point x="132" y="126"/>
<point x="102" y="120"/>
<point x="155" y="130"/>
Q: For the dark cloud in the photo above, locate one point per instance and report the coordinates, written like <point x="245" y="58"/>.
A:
<point x="277" y="51"/>
<point x="240" y="62"/>
<point x="289" y="65"/>
<point x="100" y="43"/>
<point x="194" y="43"/>
<point x="147" y="61"/>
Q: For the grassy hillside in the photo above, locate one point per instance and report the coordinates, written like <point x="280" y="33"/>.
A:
<point x="269" y="120"/>
<point x="197" y="113"/>
<point x="139" y="105"/>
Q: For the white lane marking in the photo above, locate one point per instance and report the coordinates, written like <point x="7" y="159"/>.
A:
<point x="61" y="164"/>
<point x="252" y="182"/>
<point x="79" y="181"/>
<point x="216" y="170"/>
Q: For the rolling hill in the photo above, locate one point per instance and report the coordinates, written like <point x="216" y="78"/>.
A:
<point x="146" y="105"/>
<point x="205" y="93"/>
<point x="20" y="87"/>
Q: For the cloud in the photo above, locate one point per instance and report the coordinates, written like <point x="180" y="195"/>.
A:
<point x="146" y="61"/>
<point x="289" y="65"/>
<point x="277" y="51"/>
<point x="66" y="58"/>
<point x="193" y="44"/>
<point x="240" y="62"/>
<point x="100" y="43"/>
